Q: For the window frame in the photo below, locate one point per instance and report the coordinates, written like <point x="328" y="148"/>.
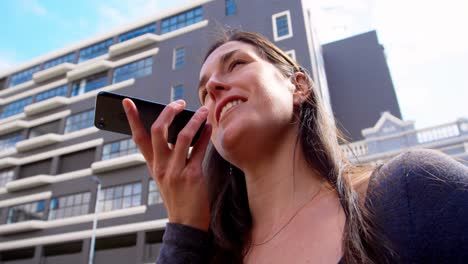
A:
<point x="274" y="17"/>
<point x="173" y="89"/>
<point x="291" y="53"/>
<point x="77" y="114"/>
<point x="175" y="66"/>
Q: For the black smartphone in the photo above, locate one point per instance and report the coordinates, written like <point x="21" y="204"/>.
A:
<point x="110" y="116"/>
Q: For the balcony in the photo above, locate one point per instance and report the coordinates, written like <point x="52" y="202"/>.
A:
<point x="53" y="72"/>
<point x="133" y="44"/>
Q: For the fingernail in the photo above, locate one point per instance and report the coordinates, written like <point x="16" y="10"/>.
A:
<point x="125" y="107"/>
<point x="180" y="102"/>
<point x="203" y="109"/>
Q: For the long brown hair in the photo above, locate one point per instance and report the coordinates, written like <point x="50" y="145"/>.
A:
<point x="231" y="221"/>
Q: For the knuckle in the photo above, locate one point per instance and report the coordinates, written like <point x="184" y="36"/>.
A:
<point x="184" y="137"/>
<point x="138" y="138"/>
<point x="157" y="128"/>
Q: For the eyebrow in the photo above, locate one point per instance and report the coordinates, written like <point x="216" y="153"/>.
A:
<point x="224" y="58"/>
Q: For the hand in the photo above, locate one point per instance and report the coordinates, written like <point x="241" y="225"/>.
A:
<point x="180" y="180"/>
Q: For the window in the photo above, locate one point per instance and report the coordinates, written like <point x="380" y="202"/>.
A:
<point x="15" y="107"/>
<point x="35" y="168"/>
<point x="154" y="197"/>
<point x="89" y="84"/>
<point x="182" y="20"/>
<point x="70" y="205"/>
<point x="119" y="197"/>
<point x="151" y="28"/>
<point x="25" y="212"/>
<point x="231" y="7"/>
<point x="119" y="149"/>
<point x="135" y="69"/>
<point x="79" y="121"/>
<point x="76" y="160"/>
<point x="2" y="83"/>
<point x="51" y="127"/>
<point x="291" y="54"/>
<point x="94" y="50"/>
<point x="179" y="58"/>
<point x="59" y="91"/>
<point x="10" y="140"/>
<point x="177" y="92"/>
<point x="67" y="58"/>
<point x="282" y="26"/>
<point x="23" y="76"/>
<point x="6" y="176"/>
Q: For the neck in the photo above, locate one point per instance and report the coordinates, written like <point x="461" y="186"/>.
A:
<point x="278" y="185"/>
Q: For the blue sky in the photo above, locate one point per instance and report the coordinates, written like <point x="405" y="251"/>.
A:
<point x="425" y="40"/>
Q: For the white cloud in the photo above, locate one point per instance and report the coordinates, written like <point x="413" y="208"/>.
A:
<point x="7" y="60"/>
<point x="425" y="44"/>
<point x="34" y="7"/>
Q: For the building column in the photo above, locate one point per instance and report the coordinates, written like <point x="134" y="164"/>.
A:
<point x="38" y="254"/>
<point x="140" y="247"/>
<point x="85" y="251"/>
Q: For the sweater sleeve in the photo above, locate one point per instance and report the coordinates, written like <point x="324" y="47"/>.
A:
<point x="420" y="199"/>
<point x="184" y="244"/>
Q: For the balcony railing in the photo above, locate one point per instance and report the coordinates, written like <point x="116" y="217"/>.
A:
<point x="427" y="137"/>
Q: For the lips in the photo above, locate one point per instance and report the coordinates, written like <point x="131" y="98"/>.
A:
<point x="226" y="104"/>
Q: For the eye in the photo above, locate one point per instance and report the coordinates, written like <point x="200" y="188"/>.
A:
<point x="235" y="63"/>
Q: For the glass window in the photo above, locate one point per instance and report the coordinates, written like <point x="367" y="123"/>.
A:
<point x="181" y="20"/>
<point x="291" y="54"/>
<point x="89" y="84"/>
<point x="282" y="28"/>
<point x="179" y="58"/>
<point x="67" y="58"/>
<point x="15" y="107"/>
<point x="231" y="7"/>
<point x="154" y="197"/>
<point x="10" y="140"/>
<point x="151" y="28"/>
<point x="59" y="91"/>
<point x="6" y="176"/>
<point x="119" y="149"/>
<point x="135" y="69"/>
<point x="70" y="205"/>
<point x="79" y="121"/>
<point x="23" y="76"/>
<point x="94" y="50"/>
<point x="177" y="92"/>
<point x="51" y="127"/>
<point x="25" y="212"/>
<point x="120" y="197"/>
<point x="282" y="25"/>
<point x="2" y="83"/>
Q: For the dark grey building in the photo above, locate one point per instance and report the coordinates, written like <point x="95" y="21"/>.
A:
<point x="50" y="152"/>
<point x="359" y="82"/>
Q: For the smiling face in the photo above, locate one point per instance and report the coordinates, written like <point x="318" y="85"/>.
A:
<point x="250" y="101"/>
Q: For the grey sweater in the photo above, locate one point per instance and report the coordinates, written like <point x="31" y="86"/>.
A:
<point x="419" y="198"/>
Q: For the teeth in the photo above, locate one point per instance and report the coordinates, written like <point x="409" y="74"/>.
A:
<point x="228" y="106"/>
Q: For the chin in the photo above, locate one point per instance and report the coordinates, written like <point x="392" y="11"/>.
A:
<point x="230" y="144"/>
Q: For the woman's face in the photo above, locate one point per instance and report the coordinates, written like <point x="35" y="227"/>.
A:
<point x="250" y="101"/>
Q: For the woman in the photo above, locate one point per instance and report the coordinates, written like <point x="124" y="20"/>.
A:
<point x="276" y="188"/>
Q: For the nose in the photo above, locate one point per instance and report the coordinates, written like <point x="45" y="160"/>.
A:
<point x="215" y="86"/>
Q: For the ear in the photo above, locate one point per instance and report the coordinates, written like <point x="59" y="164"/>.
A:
<point x="302" y="90"/>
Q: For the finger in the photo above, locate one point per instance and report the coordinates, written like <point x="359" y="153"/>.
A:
<point x="159" y="130"/>
<point x="187" y="134"/>
<point x="139" y="134"/>
<point x="199" y="149"/>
